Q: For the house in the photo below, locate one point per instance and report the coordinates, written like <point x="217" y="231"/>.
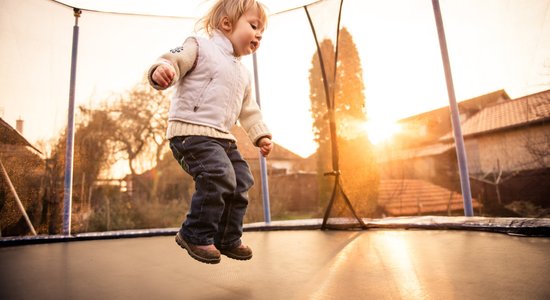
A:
<point x="281" y="160"/>
<point x="508" y="149"/>
<point x="507" y="144"/>
<point x="292" y="183"/>
<point x="513" y="136"/>
<point x="22" y="168"/>
<point x="429" y="126"/>
<point x="418" y="151"/>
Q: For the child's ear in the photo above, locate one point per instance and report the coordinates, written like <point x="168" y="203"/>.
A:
<point x="226" y="25"/>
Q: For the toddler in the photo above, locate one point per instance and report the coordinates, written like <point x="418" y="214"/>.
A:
<point x="213" y="91"/>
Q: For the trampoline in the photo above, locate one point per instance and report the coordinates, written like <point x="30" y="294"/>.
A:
<point x="409" y="258"/>
<point x="393" y="258"/>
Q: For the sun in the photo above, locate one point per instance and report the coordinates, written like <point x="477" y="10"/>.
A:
<point x="379" y="131"/>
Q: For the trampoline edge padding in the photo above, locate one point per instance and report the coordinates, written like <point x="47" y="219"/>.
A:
<point x="533" y="227"/>
<point x="40" y="239"/>
<point x="519" y="226"/>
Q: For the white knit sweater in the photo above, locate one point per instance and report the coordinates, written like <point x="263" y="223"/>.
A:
<point x="213" y="91"/>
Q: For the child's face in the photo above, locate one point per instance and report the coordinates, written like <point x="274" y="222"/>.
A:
<point x="246" y="33"/>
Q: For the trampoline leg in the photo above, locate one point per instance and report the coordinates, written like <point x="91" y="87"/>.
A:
<point x="338" y="188"/>
<point x="330" y="203"/>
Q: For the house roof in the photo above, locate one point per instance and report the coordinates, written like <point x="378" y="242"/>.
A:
<point x="476" y="103"/>
<point x="402" y="197"/>
<point x="249" y="151"/>
<point x="509" y="114"/>
<point x="428" y="150"/>
<point x="432" y="125"/>
<point x="10" y="136"/>
<point x="497" y="115"/>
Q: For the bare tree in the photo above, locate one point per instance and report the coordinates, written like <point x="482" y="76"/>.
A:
<point x="141" y="118"/>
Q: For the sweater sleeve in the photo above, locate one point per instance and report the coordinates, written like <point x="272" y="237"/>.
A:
<point x="251" y="119"/>
<point x="182" y="59"/>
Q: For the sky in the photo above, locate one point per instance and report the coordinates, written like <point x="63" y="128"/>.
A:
<point x="493" y="45"/>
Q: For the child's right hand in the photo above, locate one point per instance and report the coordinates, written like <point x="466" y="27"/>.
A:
<point x="266" y="145"/>
<point x="163" y="75"/>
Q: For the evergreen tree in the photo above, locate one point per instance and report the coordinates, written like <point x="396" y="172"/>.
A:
<point x="349" y="92"/>
<point x="360" y="176"/>
<point x="319" y="113"/>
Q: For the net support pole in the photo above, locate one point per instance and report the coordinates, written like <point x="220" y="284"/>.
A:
<point x="69" y="150"/>
<point x="455" y="119"/>
<point x="263" y="163"/>
<point x="17" y="200"/>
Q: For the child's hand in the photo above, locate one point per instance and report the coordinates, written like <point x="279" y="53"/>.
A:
<point x="163" y="75"/>
<point x="265" y="145"/>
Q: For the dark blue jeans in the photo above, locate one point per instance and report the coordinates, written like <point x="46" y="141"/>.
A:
<point x="222" y="180"/>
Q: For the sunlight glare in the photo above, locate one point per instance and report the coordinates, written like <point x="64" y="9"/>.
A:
<point x="379" y="131"/>
<point x="402" y="266"/>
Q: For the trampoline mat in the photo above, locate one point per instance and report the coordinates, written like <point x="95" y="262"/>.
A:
<point x="300" y="264"/>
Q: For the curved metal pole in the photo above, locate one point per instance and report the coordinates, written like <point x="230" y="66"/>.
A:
<point x="455" y="119"/>
<point x="332" y="122"/>
<point x="69" y="150"/>
<point x="329" y="101"/>
<point x="336" y="48"/>
<point x="263" y="164"/>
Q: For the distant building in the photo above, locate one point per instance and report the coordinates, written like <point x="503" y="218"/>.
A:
<point x="507" y="145"/>
<point x="292" y="182"/>
<point x="508" y="148"/>
<point x="22" y="167"/>
<point x="280" y="160"/>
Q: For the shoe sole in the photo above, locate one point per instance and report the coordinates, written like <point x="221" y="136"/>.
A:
<point x="234" y="256"/>
<point x="181" y="242"/>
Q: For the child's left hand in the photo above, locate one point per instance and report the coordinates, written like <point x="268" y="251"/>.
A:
<point x="266" y="145"/>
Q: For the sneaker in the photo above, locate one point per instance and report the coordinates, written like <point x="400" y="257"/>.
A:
<point x="241" y="252"/>
<point x="202" y="255"/>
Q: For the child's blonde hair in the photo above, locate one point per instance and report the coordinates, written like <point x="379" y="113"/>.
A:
<point x="233" y="9"/>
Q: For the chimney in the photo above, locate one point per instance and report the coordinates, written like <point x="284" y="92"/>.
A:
<point x="19" y="125"/>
